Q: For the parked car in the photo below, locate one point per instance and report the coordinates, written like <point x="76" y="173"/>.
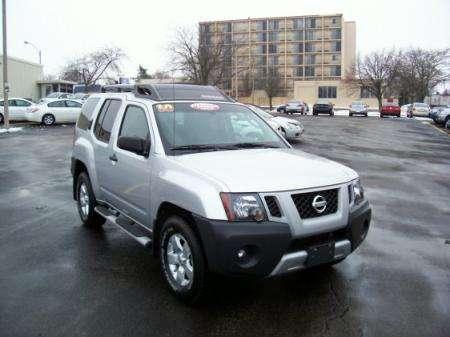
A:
<point x="81" y="96"/>
<point x="434" y="111"/>
<point x="169" y="167"/>
<point x="55" y="96"/>
<point x="17" y="107"/>
<point x="323" y="106"/>
<point x="56" y="111"/>
<point x="358" y="108"/>
<point x="290" y="129"/>
<point x="281" y="108"/>
<point x="390" y="109"/>
<point x="443" y="117"/>
<point x="418" y="109"/>
<point x="295" y="107"/>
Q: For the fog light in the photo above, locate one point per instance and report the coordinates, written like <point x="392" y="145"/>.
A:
<point x="241" y="253"/>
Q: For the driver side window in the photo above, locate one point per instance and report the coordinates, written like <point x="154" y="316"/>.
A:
<point x="134" y="124"/>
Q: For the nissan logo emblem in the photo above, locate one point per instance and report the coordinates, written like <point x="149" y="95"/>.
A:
<point x="319" y="203"/>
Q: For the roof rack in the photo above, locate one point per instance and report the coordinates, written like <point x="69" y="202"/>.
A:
<point x="171" y="92"/>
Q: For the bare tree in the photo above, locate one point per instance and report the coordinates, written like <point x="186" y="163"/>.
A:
<point x="198" y="58"/>
<point x="376" y="72"/>
<point x="90" y="68"/>
<point x="269" y="80"/>
<point x="420" y="71"/>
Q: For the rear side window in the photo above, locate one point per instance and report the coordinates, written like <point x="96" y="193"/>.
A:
<point x="134" y="123"/>
<point x="57" y="104"/>
<point x="85" y="119"/>
<point x="20" y="102"/>
<point x="105" y="119"/>
<point x="73" y="104"/>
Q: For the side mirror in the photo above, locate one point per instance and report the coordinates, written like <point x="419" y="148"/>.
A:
<point x="136" y="145"/>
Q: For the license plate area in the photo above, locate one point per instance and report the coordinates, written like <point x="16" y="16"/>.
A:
<point x="320" y="254"/>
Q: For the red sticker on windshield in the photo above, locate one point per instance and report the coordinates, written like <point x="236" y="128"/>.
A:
<point x="205" y="106"/>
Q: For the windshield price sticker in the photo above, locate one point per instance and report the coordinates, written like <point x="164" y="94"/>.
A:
<point x="205" y="106"/>
<point x="165" y="107"/>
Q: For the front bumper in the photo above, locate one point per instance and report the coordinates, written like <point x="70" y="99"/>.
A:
<point x="294" y="132"/>
<point x="269" y="246"/>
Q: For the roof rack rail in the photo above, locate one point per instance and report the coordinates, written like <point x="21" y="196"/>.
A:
<point x="171" y="91"/>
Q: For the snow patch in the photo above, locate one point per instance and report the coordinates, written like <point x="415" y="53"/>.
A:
<point x="10" y="130"/>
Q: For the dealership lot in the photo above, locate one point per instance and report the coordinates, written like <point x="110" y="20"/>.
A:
<point x="61" y="279"/>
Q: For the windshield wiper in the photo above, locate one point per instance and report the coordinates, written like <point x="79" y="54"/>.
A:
<point x="250" y="145"/>
<point x="193" y="147"/>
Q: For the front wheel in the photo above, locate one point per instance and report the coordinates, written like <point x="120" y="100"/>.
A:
<point x="86" y="202"/>
<point x="48" y="119"/>
<point x="182" y="262"/>
<point x="2" y="119"/>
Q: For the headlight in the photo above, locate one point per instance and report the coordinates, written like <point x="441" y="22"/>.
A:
<point x="243" y="206"/>
<point x="356" y="192"/>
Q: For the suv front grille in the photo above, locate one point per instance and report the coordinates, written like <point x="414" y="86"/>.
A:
<point x="304" y="203"/>
<point x="273" y="207"/>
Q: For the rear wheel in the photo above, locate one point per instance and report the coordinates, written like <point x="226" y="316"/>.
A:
<point x="1" y="119"/>
<point x="350" y="114"/>
<point x="48" y="119"/>
<point x="182" y="261"/>
<point x="86" y="202"/>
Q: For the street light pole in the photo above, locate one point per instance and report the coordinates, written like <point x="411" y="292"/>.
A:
<point x="5" y="69"/>
<point x="36" y="48"/>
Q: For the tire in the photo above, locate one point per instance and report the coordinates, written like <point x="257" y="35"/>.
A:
<point x="180" y="251"/>
<point x="2" y="119"/>
<point x="315" y="113"/>
<point x="447" y="123"/>
<point x="86" y="202"/>
<point x="48" y="119"/>
<point x="350" y="114"/>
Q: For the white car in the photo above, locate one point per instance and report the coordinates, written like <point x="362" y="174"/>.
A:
<point x="57" y="111"/>
<point x="55" y="96"/>
<point x="290" y="129"/>
<point x="17" y="109"/>
<point x="419" y="109"/>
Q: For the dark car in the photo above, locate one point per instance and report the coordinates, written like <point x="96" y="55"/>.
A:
<point x="281" y="108"/>
<point x="323" y="107"/>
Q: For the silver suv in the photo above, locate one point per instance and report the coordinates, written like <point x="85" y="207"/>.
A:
<point x="202" y="181"/>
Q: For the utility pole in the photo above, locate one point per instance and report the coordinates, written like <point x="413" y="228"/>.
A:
<point x="5" y="69"/>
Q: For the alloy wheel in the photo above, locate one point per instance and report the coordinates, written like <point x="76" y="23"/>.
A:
<point x="179" y="261"/>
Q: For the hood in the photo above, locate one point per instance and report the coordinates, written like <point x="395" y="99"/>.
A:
<point x="267" y="170"/>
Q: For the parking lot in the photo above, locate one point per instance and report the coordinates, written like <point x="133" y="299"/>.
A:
<point x="58" y="278"/>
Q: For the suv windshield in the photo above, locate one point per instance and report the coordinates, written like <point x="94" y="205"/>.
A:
<point x="201" y="126"/>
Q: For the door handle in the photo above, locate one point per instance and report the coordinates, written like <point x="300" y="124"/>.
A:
<point x="113" y="157"/>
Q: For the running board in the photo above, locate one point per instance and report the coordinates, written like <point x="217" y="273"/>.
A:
<point x="133" y="229"/>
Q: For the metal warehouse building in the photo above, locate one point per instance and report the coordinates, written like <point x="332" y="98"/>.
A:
<point x="23" y="77"/>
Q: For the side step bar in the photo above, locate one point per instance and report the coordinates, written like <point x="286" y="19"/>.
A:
<point x="134" y="230"/>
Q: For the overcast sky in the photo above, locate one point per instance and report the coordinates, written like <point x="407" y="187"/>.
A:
<point x="65" y="29"/>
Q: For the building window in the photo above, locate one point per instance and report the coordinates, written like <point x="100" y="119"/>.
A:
<point x="309" y="71"/>
<point x="261" y="37"/>
<point x="335" y="71"/>
<point x="310" y="59"/>
<point x="336" y="34"/>
<point x="336" y="46"/>
<point x="310" y="35"/>
<point x="311" y="22"/>
<point x="299" y="71"/>
<point x="274" y="24"/>
<point x="299" y="24"/>
<point x="327" y="92"/>
<point x="273" y="36"/>
<point x="300" y="48"/>
<point x="273" y="60"/>
<point x="333" y="57"/>
<point x="298" y="59"/>
<point x="309" y="47"/>
<point x="272" y="48"/>
<point x="366" y="93"/>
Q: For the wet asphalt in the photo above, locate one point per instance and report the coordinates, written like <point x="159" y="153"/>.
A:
<point x="58" y="278"/>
